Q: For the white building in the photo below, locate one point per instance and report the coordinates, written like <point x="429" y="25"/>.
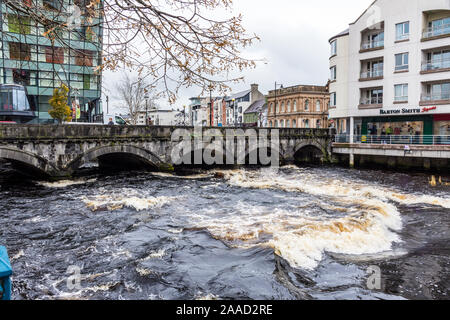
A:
<point x="158" y="117"/>
<point x="390" y="71"/>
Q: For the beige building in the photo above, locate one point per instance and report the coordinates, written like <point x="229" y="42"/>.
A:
<point x="302" y="106"/>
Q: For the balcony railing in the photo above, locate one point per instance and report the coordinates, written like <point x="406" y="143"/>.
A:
<point x="371" y="74"/>
<point x="436" y="97"/>
<point x="372" y="44"/>
<point x="436" y="65"/>
<point x="370" y="101"/>
<point x="401" y="98"/>
<point x="401" y="37"/>
<point x="436" y="31"/>
<point x="395" y="139"/>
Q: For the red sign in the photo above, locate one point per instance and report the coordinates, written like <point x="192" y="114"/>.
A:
<point x="428" y="109"/>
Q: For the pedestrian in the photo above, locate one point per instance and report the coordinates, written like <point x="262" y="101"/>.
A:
<point x="111" y="122"/>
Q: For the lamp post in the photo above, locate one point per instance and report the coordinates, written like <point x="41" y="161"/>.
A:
<point x="275" y="105"/>
<point x="234" y="113"/>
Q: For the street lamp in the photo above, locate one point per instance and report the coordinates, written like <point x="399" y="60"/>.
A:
<point x="275" y="106"/>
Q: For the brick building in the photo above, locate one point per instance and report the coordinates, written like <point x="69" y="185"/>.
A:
<point x="302" y="106"/>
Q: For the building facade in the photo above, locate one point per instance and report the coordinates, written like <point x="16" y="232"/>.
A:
<point x="256" y="114"/>
<point x="238" y="103"/>
<point x="301" y="106"/>
<point x="390" y="71"/>
<point x="41" y="63"/>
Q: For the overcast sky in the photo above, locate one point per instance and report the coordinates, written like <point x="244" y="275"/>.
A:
<point x="294" y="42"/>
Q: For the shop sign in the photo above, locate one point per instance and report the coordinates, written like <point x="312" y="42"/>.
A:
<point x="407" y="110"/>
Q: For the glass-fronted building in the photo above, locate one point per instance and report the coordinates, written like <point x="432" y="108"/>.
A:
<point x="42" y="57"/>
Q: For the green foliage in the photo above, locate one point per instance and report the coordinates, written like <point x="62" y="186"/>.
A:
<point x="60" y="110"/>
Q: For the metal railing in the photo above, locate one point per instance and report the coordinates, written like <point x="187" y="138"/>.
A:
<point x="395" y="139"/>
<point x="436" y="64"/>
<point x="370" y="101"/>
<point x="436" y="97"/>
<point x="436" y="31"/>
<point x="371" y="74"/>
<point x="372" y="44"/>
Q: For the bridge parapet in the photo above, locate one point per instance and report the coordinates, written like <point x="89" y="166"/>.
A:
<point x="58" y="150"/>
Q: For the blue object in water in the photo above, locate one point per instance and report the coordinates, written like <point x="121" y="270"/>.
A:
<point x="5" y="274"/>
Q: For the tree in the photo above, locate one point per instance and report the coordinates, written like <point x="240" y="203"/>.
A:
<point x="60" y="110"/>
<point x="135" y="94"/>
<point x="173" y="43"/>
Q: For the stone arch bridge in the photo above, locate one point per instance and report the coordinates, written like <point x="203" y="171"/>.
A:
<point x="57" y="151"/>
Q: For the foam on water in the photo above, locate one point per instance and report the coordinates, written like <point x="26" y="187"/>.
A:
<point x="64" y="183"/>
<point x="302" y="239"/>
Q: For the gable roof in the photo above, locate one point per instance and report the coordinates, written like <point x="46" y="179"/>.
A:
<point x="256" y="106"/>
<point x="364" y="12"/>
<point x="238" y="95"/>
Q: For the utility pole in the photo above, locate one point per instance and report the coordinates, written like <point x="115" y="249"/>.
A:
<point x="210" y="109"/>
<point x="146" y="109"/>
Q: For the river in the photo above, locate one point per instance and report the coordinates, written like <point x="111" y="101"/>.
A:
<point x="292" y="233"/>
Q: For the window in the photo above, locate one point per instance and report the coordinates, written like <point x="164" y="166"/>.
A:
<point x="282" y="107"/>
<point x="278" y="107"/>
<point x="86" y="82"/>
<point x="401" y="92"/>
<point x="401" y="62"/>
<point x="437" y="60"/>
<point x="438" y="27"/>
<point x="287" y="124"/>
<point x="21" y="77"/>
<point x="334" y="47"/>
<point x="19" y="24"/>
<point x="439" y="91"/>
<point x="83" y="58"/>
<point x="295" y="105"/>
<point x="54" y="55"/>
<point x="307" y="105"/>
<point x="270" y="124"/>
<point x="294" y="124"/>
<point x="402" y="31"/>
<point x="333" y="73"/>
<point x="318" y="106"/>
<point x="374" y="69"/>
<point x="372" y="96"/>
<point x="333" y="99"/>
<point x="288" y="106"/>
<point x="373" y="40"/>
<point x="318" y="125"/>
<point x="46" y="79"/>
<point x="306" y="123"/>
<point x="19" y="51"/>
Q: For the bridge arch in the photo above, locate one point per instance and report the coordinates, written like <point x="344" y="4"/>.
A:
<point x="123" y="153"/>
<point x="27" y="162"/>
<point x="309" y="152"/>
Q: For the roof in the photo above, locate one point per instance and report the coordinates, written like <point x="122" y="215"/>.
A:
<point x="364" y="12"/>
<point x="343" y="33"/>
<point x="256" y="106"/>
<point x="239" y="95"/>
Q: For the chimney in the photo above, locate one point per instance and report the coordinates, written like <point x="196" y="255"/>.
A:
<point x="254" y="94"/>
